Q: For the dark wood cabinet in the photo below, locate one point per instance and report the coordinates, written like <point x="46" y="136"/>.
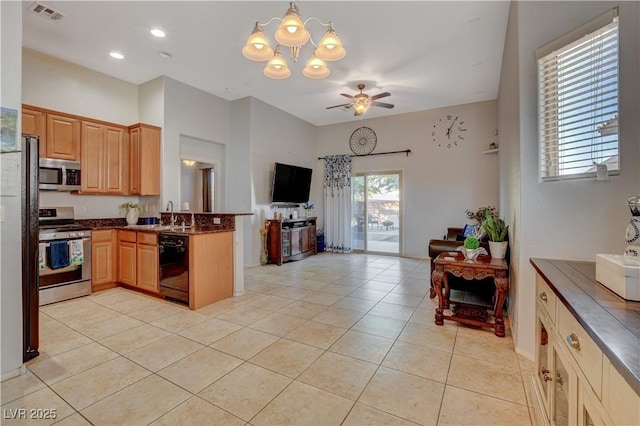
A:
<point x="292" y="239"/>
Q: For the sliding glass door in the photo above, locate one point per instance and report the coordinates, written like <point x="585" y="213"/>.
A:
<point x="375" y="203"/>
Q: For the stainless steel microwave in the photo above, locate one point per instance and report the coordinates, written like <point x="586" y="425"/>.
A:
<point x="59" y="175"/>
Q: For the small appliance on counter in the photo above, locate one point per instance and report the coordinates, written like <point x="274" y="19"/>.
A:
<point x="621" y="274"/>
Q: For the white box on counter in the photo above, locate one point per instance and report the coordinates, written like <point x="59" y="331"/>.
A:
<point x="620" y="274"/>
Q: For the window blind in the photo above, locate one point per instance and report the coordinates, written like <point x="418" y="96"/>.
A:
<point x="578" y="106"/>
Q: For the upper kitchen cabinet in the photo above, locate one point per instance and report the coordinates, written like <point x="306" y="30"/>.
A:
<point x="103" y="158"/>
<point x="63" y="137"/>
<point x="34" y="122"/>
<point x="144" y="160"/>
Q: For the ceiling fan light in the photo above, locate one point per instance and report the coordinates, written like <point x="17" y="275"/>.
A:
<point x="330" y="47"/>
<point x="257" y="47"/>
<point x="360" y="107"/>
<point x="292" y="31"/>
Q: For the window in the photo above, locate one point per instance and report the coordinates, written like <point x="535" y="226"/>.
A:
<point x="578" y="101"/>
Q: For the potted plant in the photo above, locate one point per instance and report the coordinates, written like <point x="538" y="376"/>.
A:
<point x="308" y="208"/>
<point x="133" y="211"/>
<point x="497" y="232"/>
<point x="471" y="248"/>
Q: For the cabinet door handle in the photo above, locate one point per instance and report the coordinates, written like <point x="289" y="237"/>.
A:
<point x="543" y="296"/>
<point x="573" y="341"/>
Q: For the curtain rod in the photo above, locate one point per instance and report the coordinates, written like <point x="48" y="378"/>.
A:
<point x="406" y="151"/>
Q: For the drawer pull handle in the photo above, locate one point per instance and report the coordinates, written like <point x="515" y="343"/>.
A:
<point x="543" y="296"/>
<point x="573" y="341"/>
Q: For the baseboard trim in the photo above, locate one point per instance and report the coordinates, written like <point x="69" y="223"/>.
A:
<point x="14" y="373"/>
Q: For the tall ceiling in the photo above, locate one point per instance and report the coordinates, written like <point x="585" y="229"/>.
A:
<point x="427" y="54"/>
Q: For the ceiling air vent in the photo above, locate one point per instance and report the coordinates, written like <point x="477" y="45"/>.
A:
<point x="46" y="12"/>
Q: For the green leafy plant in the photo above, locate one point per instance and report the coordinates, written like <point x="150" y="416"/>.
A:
<point x="130" y="205"/>
<point x="471" y="243"/>
<point x="495" y="227"/>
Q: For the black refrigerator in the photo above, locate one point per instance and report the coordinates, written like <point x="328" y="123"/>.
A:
<point x="30" y="231"/>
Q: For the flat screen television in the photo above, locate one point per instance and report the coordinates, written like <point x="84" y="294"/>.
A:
<point x="291" y="184"/>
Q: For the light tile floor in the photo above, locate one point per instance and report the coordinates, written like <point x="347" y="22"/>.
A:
<point x="333" y="339"/>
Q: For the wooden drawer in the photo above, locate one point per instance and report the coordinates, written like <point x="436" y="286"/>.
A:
<point x="584" y="350"/>
<point x="129" y="236"/>
<point x="150" y="238"/>
<point x="101" y="235"/>
<point x="546" y="298"/>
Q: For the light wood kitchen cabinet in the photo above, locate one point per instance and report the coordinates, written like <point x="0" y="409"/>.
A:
<point x="63" y="137"/>
<point x="34" y="122"/>
<point x="144" y="160"/>
<point x="127" y="253"/>
<point x="104" y="265"/>
<point x="102" y="158"/>
<point x="147" y="270"/>
<point x="210" y="268"/>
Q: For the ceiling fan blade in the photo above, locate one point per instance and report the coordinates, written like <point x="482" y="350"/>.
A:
<point x="338" y="106"/>
<point x="380" y="95"/>
<point x="382" y="104"/>
<point x="347" y="96"/>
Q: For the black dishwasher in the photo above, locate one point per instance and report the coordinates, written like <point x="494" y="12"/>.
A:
<point x="174" y="267"/>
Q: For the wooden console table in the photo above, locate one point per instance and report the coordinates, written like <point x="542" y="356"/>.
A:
<point x="485" y="266"/>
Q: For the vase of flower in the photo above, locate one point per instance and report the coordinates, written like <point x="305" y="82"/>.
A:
<point x="308" y="208"/>
<point x="133" y="212"/>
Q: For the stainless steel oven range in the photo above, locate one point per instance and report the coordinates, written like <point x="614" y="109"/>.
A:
<point x="64" y="261"/>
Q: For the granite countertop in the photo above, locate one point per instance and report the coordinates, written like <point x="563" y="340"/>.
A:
<point x="612" y="322"/>
<point x="177" y="230"/>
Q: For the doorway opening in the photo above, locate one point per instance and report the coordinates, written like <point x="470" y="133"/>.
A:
<point x="376" y="204"/>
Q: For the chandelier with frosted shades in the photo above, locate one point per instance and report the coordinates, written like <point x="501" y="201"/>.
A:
<point x="292" y="34"/>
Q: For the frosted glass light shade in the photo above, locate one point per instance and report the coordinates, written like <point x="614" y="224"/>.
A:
<point x="316" y="68"/>
<point x="292" y="31"/>
<point x="330" y="47"/>
<point x="277" y="67"/>
<point x="361" y="107"/>
<point x="257" y="47"/>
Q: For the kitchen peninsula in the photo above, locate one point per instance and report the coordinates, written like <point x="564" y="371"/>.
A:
<point x="130" y="255"/>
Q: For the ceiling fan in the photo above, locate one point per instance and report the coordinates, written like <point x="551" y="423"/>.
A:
<point x="361" y="102"/>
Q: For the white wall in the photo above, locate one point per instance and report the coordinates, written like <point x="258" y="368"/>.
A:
<point x="509" y="160"/>
<point x="52" y="83"/>
<point x="570" y="219"/>
<point x="276" y="136"/>
<point x="55" y="84"/>
<point x="439" y="183"/>
<point x="10" y="202"/>
<point x="194" y="113"/>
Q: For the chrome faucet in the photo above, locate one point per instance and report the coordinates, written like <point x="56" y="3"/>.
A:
<point x="170" y="209"/>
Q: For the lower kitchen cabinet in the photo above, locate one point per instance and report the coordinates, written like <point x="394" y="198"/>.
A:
<point x="210" y="268"/>
<point x="127" y="253"/>
<point x="147" y="259"/>
<point x="104" y="267"/>
<point x="575" y="384"/>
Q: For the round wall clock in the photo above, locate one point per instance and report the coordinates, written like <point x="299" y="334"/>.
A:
<point x="449" y="131"/>
<point x="362" y="141"/>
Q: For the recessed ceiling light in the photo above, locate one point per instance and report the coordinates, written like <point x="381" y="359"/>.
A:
<point x="157" y="32"/>
<point x="116" y="55"/>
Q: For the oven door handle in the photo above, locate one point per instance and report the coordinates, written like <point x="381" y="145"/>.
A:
<point x="85" y="239"/>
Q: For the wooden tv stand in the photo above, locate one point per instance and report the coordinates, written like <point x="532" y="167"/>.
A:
<point x="291" y="239"/>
